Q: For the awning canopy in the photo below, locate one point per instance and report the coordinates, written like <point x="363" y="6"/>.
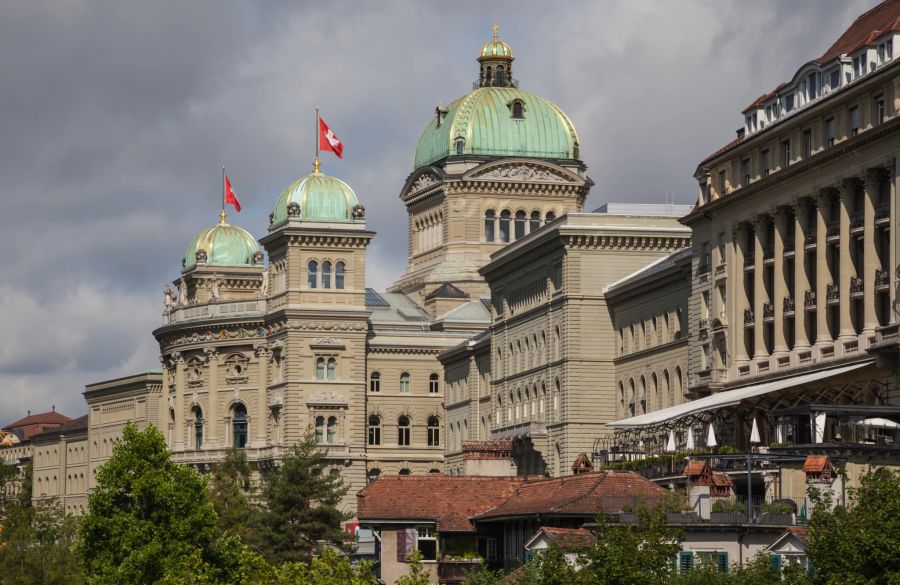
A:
<point x="726" y="398"/>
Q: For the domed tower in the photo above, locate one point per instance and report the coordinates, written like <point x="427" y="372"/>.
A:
<point x="490" y="168"/>
<point x="213" y="370"/>
<point x="317" y="319"/>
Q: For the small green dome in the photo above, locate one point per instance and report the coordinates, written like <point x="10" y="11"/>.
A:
<point x="318" y="198"/>
<point x="483" y="123"/>
<point x="225" y="245"/>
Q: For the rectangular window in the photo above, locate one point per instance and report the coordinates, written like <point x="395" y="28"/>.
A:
<point x="835" y="80"/>
<point x="374" y="435"/>
<point x="854" y="121"/>
<point x="785" y="153"/>
<point x="829" y="132"/>
<point x="745" y="171"/>
<point x="789" y="103"/>
<point x="812" y="88"/>
<point x="426" y="543"/>
<point x="765" y="162"/>
<point x="878" y="113"/>
<point x="807" y="143"/>
<point x="888" y="49"/>
<point x="722" y="183"/>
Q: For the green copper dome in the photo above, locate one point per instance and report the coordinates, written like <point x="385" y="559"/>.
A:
<point x="318" y="198"/>
<point x="484" y="123"/>
<point x="225" y="245"/>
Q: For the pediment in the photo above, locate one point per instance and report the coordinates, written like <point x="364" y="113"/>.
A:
<point x="327" y="397"/>
<point x="523" y="172"/>
<point x="424" y="181"/>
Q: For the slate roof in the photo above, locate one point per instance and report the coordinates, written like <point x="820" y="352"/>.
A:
<point x="577" y="495"/>
<point x="446" y="291"/>
<point x="449" y="501"/>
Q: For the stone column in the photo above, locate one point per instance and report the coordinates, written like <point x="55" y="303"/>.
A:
<point x="212" y="407"/>
<point x="779" y="285"/>
<point x="874" y="178"/>
<point x="823" y="276"/>
<point x="178" y="442"/>
<point x="738" y="296"/>
<point x="262" y="395"/>
<point x="759" y="291"/>
<point x="845" y="270"/>
<point x="801" y="277"/>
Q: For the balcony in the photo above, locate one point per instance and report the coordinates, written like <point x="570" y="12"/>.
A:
<point x="788" y="306"/>
<point x="882" y="280"/>
<point x="768" y="312"/>
<point x="856" y="287"/>
<point x="857" y="223"/>
<point x="748" y="318"/>
<point x="832" y="293"/>
<point x="809" y="300"/>
<point x="809" y="240"/>
<point x="189" y="313"/>
<point x="750" y="261"/>
<point x="833" y="232"/>
<point x="523" y="429"/>
<point x="457" y="570"/>
<point x="720" y="269"/>
<point x="768" y="253"/>
<point x="882" y="213"/>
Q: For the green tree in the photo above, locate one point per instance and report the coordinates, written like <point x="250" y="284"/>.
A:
<point x="417" y="574"/>
<point x="146" y="515"/>
<point x="638" y="554"/>
<point x="302" y="499"/>
<point x="860" y="543"/>
<point x="330" y="568"/>
<point x="550" y="568"/>
<point x="36" y="545"/>
<point x="230" y="492"/>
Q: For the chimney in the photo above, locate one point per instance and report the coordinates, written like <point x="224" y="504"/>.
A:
<point x="488" y="458"/>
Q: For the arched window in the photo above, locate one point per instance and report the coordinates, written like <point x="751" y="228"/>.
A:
<point x="373" y="474"/>
<point x="630" y="397"/>
<point x="374" y="429"/>
<point x="489" y="218"/>
<point x="434" y="431"/>
<point x="403" y="431"/>
<point x="655" y="400"/>
<point x="504" y="225"/>
<point x="460" y="145"/>
<point x="621" y="397"/>
<point x="501" y="76"/>
<point x="198" y="427"/>
<point x="320" y="429"/>
<point x="667" y="388"/>
<point x="643" y="396"/>
<point x="326" y="274"/>
<point x="678" y="385"/>
<point x="520" y="224"/>
<point x="535" y="222"/>
<point x="375" y="382"/>
<point x="332" y="368"/>
<point x="434" y="384"/>
<point x="404" y="382"/>
<point x="405" y="471"/>
<point x="549" y="217"/>
<point x="556" y="398"/>
<point x="320" y="369"/>
<point x="312" y="269"/>
<point x="518" y="109"/>
<point x="339" y="275"/>
<point x="239" y="425"/>
<point x="331" y="435"/>
<point x="488" y="75"/>
<point x="556" y="348"/>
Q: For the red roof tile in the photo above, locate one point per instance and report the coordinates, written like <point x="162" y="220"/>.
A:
<point x="865" y="29"/>
<point x="43" y="418"/>
<point x="694" y="468"/>
<point x="800" y="532"/>
<point x="816" y="463"/>
<point x="584" y="494"/>
<point x="569" y="538"/>
<point x="449" y="501"/>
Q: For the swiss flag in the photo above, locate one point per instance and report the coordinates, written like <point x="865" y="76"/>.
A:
<point x="328" y="141"/>
<point x="230" y="197"/>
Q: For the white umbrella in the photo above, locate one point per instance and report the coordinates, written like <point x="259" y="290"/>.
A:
<point x="779" y="434"/>
<point x="879" y="422"/>
<point x="711" y="436"/>
<point x="670" y="444"/>
<point x="690" y="440"/>
<point x="754" y="433"/>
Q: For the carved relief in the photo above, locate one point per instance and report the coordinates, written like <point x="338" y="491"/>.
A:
<point x="359" y="211"/>
<point x="523" y="172"/>
<point x="293" y="210"/>
<point x="327" y="397"/>
<point x="423" y="182"/>
<point x="236" y="368"/>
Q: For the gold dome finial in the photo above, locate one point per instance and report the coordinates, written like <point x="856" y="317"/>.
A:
<point x="222" y="217"/>
<point x="496" y="32"/>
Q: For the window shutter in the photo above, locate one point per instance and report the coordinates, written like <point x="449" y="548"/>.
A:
<point x="685" y="561"/>
<point x="401" y="545"/>
<point x="722" y="561"/>
<point x="775" y="562"/>
<point x="529" y="554"/>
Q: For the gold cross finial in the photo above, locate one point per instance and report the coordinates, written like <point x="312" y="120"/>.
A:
<point x="496" y="31"/>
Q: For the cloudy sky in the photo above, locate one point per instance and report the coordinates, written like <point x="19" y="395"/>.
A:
<point x="115" y="118"/>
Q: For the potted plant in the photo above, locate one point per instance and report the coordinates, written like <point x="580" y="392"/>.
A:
<point x="778" y="512"/>
<point x="727" y="511"/>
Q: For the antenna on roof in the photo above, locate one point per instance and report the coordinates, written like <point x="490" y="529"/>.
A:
<point x="29" y="413"/>
<point x="53" y="408"/>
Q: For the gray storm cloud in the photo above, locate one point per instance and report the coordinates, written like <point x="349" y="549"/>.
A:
<point x="116" y="117"/>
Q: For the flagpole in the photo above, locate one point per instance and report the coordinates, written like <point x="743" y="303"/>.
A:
<point x="222" y="215"/>
<point x="318" y="129"/>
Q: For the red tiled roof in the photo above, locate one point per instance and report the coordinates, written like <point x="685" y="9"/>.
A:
<point x="584" y="494"/>
<point x="799" y="531"/>
<point x="865" y="29"/>
<point x="449" y="501"/>
<point x="816" y="463"/>
<point x="569" y="538"/>
<point x="78" y="424"/>
<point x="43" y="418"/>
<point x="694" y="468"/>
<point x="722" y="479"/>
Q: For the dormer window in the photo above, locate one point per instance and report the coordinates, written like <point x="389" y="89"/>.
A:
<point x="460" y="143"/>
<point x="517" y="109"/>
<point x="835" y="79"/>
<point x="788" y="103"/>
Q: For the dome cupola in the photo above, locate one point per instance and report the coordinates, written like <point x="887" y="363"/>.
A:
<point x="317" y="197"/>
<point x="223" y="245"/>
<point x="496" y="63"/>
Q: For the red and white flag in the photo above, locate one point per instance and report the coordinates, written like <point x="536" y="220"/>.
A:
<point x="328" y="141"/>
<point x="230" y="197"/>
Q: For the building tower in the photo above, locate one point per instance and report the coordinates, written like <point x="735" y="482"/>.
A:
<point x="489" y="168"/>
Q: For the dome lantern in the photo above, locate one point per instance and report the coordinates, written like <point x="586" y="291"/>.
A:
<point x="496" y="63"/>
